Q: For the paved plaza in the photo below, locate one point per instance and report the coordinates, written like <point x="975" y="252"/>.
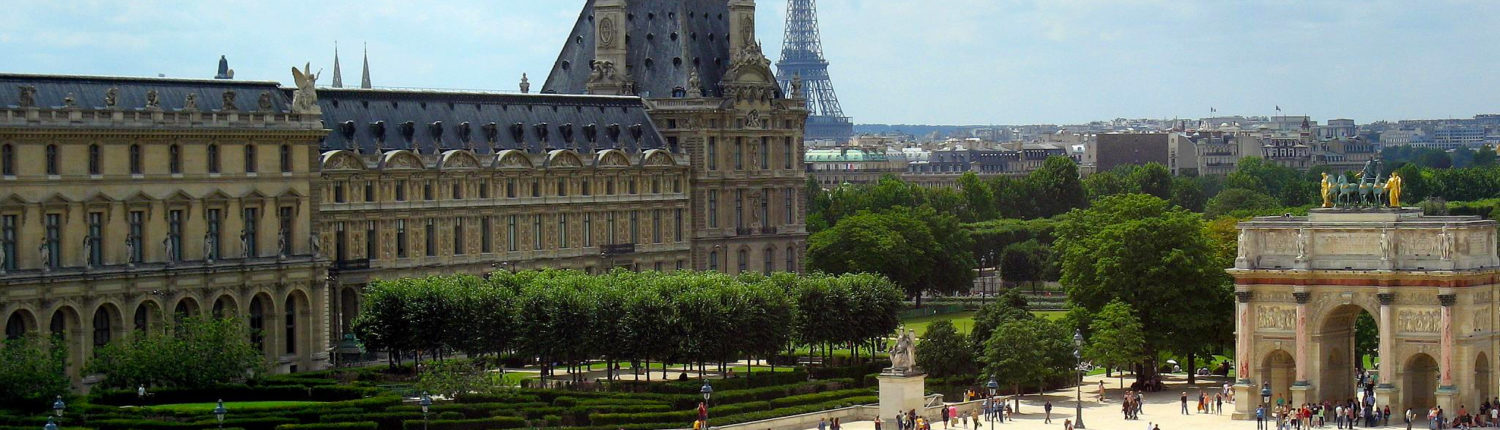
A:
<point x="1162" y="408"/>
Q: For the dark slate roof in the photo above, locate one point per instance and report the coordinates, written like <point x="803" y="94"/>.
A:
<point x="349" y="113"/>
<point x="88" y="91"/>
<point x="672" y="34"/>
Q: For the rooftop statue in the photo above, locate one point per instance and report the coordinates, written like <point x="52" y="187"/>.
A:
<point x="305" y="99"/>
<point x="1393" y="190"/>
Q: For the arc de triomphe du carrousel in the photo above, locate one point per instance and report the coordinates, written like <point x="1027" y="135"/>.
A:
<point x="1429" y="282"/>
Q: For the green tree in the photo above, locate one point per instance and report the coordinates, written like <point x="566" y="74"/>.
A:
<point x="1022" y="262"/>
<point x="1027" y="351"/>
<point x="919" y="249"/>
<point x="1008" y="306"/>
<point x="1107" y="183"/>
<point x="979" y="199"/>
<point x="1484" y="157"/>
<point x="197" y="354"/>
<point x="1153" y="179"/>
<point x="1143" y="251"/>
<point x="1116" y="340"/>
<point x="1414" y="183"/>
<point x="1239" y="200"/>
<point x="33" y="368"/>
<point x="1055" y="187"/>
<point x="944" y="352"/>
<point x="1188" y="193"/>
<point x="1435" y="160"/>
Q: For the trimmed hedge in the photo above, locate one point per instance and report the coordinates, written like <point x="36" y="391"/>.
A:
<point x="483" y="423"/>
<point x="382" y="420"/>
<point x="360" y="425"/>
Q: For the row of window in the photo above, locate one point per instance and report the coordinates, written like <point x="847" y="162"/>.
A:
<point x="562" y="188"/>
<point x="558" y="227"/>
<point x="768" y="259"/>
<point x="147" y="316"/>
<point x="96" y="154"/>
<point x="172" y="244"/>
<point x="762" y="213"/>
<point x="761" y="154"/>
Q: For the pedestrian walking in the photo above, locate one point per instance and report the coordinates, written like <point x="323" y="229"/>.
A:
<point x="877" y="423"/>
<point x="1048" y="409"/>
<point x="822" y="424"/>
<point x="1260" y="418"/>
<point x="1219" y="404"/>
<point x="1184" y="403"/>
<point x="945" y="417"/>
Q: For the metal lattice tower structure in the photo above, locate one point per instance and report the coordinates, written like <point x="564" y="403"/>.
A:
<point x="802" y="55"/>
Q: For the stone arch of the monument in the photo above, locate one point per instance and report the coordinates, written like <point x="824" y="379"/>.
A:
<point x="1279" y="369"/>
<point x="1481" y="380"/>
<point x="1419" y="381"/>
<point x="1335" y="344"/>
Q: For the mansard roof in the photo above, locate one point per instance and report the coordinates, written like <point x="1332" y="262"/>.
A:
<point x="672" y="35"/>
<point x="88" y="92"/>
<point x="438" y="121"/>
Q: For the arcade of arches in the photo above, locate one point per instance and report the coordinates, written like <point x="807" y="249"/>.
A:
<point x="1428" y="283"/>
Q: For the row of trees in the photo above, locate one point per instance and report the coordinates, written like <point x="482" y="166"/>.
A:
<point x="571" y="318"/>
<point x="920" y="249"/>
<point x="195" y="353"/>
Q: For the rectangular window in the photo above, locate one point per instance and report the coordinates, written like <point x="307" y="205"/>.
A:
<point x="588" y="229"/>
<point x="713" y="208"/>
<point x="284" y="216"/>
<point x="765" y="153"/>
<point x="713" y="260"/>
<point x="739" y="153"/>
<point x="174" y="159"/>
<point x="486" y="242"/>
<point x="372" y="237"/>
<point x="510" y="188"/>
<point x="427" y="190"/>
<point x="677" y="225"/>
<point x="338" y="192"/>
<point x="713" y="153"/>
<point x="681" y="264"/>
<point x="677" y="185"/>
<point x="458" y="191"/>
<point x="536" y="232"/>
<point x="786" y="156"/>
<point x="286" y="158"/>
<point x="137" y="221"/>
<point x="744" y="261"/>
<point x="587" y="189"/>
<point x="8" y="226"/>
<point x="458" y="236"/>
<point x="656" y="226"/>
<point x="96" y="238"/>
<point x="215" y="225"/>
<point x="656" y="266"/>
<point x="536" y="188"/>
<point x="512" y="235"/>
<point x="786" y="202"/>
<point x="430" y="232"/>
<point x="765" y="208"/>
<point x="213" y="158"/>
<point x="609" y="186"/>
<point x="8" y="162"/>
<point x="610" y="220"/>
<point x="635" y="226"/>
<point x="655" y="185"/>
<point x="369" y="192"/>
<point x="632" y="185"/>
<point x="739" y="209"/>
<point x="562" y="230"/>
<point x="401" y="238"/>
<point x="562" y="188"/>
<point x="53" y="239"/>
<point x="252" y="247"/>
<point x="174" y="234"/>
<point x="770" y="260"/>
<point x="249" y="158"/>
<point x="400" y="191"/>
<point x="484" y="189"/>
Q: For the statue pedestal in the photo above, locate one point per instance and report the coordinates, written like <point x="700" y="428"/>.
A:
<point x="901" y="392"/>
<point x="1447" y="398"/>
<point x="1299" y="392"/>
<point x="1386" y="394"/>
<point x="1246" y="399"/>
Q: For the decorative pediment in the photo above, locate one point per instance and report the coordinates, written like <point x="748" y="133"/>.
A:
<point x="512" y="159"/>
<point x="253" y="195"/>
<point x="459" y="159"/>
<point x="750" y="65"/>
<point x="341" y="160"/>
<point x="657" y="157"/>
<point x="612" y="158"/>
<point x="99" y="198"/>
<point x="140" y="197"/>
<point x="563" y="158"/>
<point x="179" y="196"/>
<point x="400" y="159"/>
<point x="57" y="199"/>
<point x="290" y="195"/>
<point x="12" y="200"/>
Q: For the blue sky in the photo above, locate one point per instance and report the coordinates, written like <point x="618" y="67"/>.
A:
<point x="894" y="61"/>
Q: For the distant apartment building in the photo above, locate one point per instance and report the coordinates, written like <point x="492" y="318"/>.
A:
<point x="1116" y="149"/>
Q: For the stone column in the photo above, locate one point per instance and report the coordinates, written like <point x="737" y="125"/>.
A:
<point x="1385" y="390"/>
<point x="1244" y="341"/>
<point x="1300" y="385"/>
<point x="1447" y="393"/>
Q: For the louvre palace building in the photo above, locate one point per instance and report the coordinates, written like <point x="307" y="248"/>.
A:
<point x="660" y="141"/>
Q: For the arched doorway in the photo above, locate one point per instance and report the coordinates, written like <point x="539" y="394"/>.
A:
<point x="225" y="306"/>
<point x="348" y="309"/>
<point x="1419" y="382"/>
<point x="107" y="326"/>
<point x="19" y="324"/>
<point x="1481" y="379"/>
<point x="297" y="324"/>
<point x="258" y="310"/>
<point x="66" y="326"/>
<point x="147" y="317"/>
<point x="186" y="308"/>
<point x="1347" y="336"/>
<point x="1279" y="369"/>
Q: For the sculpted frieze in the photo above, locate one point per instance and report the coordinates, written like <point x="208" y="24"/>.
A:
<point x="1420" y="242"/>
<point x="1275" y="317"/>
<point x="1346" y="243"/>
<point x="1418" y="321"/>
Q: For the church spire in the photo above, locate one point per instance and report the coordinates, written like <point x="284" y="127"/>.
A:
<point x="364" y="80"/>
<point x="338" y="78"/>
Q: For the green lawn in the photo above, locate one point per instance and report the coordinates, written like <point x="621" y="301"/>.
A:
<point x="207" y="408"/>
<point x="964" y="321"/>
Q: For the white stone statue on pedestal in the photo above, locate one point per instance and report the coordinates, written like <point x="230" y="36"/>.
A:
<point x="904" y="353"/>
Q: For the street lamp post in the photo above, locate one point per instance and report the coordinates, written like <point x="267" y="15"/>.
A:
<point x="992" y="386"/>
<point x="58" y="406"/>
<point x="219" y="412"/>
<point x="1265" y="394"/>
<point x="1078" y="357"/>
<point x="426" y="403"/>
<point x="708" y="391"/>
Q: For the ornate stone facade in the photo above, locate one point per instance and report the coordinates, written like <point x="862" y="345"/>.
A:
<point x="1428" y="282"/>
<point x="121" y="211"/>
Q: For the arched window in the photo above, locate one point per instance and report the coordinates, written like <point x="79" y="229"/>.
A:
<point x="791" y="260"/>
<point x="15" y="327"/>
<point x="249" y="158"/>
<point x="257" y="323"/>
<point x="135" y="159"/>
<point x="713" y="260"/>
<point x="101" y="328"/>
<point x="744" y="261"/>
<point x="770" y="260"/>
<point x="94" y="167"/>
<point x="143" y="317"/>
<point x="291" y="325"/>
<point x="286" y="158"/>
<point x="174" y="159"/>
<point x="213" y="158"/>
<point x="8" y="160"/>
<point x="52" y="159"/>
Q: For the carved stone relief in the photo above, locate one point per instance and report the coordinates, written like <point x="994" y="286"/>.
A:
<point x="1345" y="243"/>
<point x="1275" y="317"/>
<point x="1480" y="320"/>
<point x="1416" y="321"/>
<point x="1422" y="243"/>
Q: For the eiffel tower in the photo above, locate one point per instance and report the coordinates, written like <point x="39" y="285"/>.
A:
<point x="802" y="55"/>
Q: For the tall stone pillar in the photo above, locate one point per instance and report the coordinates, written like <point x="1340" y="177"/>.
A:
<point x="1244" y="341"/>
<point x="610" y="23"/>
<point x="1300" y="386"/>
<point x="1447" y="393"/>
<point x="1385" y="390"/>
